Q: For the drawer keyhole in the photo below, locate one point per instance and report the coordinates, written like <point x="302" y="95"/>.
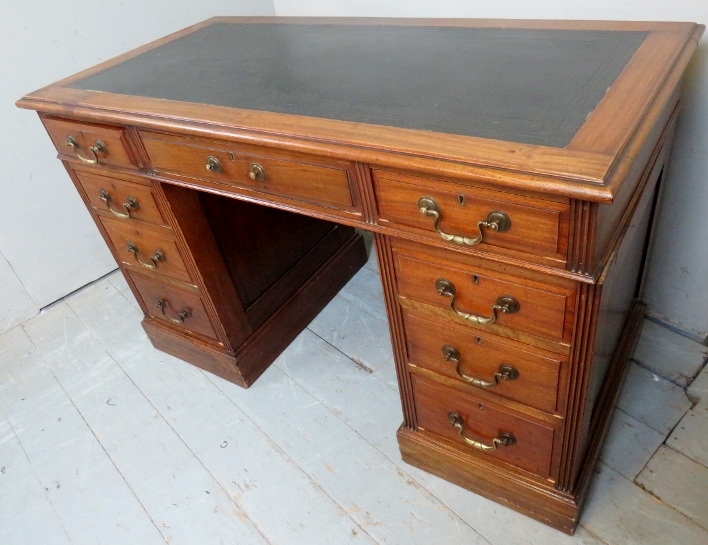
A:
<point x="461" y="200"/>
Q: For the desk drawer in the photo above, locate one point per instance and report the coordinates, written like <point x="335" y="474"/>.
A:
<point x="504" y="370"/>
<point x="534" y="307"/>
<point x="535" y="226"/>
<point x="146" y="248"/>
<point x="115" y="197"/>
<point x="303" y="178"/>
<point x="92" y="144"/>
<point x="179" y="308"/>
<point x="529" y="443"/>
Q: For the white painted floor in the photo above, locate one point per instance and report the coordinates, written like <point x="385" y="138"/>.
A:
<point x="105" y="440"/>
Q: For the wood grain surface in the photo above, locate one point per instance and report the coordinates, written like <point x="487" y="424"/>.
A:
<point x="120" y="189"/>
<point x="482" y="423"/>
<point x="580" y="172"/>
<point x="256" y="146"/>
<point x="148" y="241"/>
<point x="481" y="355"/>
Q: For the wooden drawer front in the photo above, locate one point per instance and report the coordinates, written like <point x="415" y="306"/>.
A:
<point x="124" y="197"/>
<point x="175" y="301"/>
<point x="148" y="242"/>
<point x="295" y="176"/>
<point x="432" y="346"/>
<point x="537" y="226"/>
<point x="543" y="311"/>
<point x="482" y="423"/>
<point x="116" y="152"/>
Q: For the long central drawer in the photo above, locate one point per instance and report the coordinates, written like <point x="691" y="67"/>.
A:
<point x="300" y="177"/>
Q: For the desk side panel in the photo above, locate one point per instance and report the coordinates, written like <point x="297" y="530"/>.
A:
<point x="607" y="311"/>
<point x="192" y="225"/>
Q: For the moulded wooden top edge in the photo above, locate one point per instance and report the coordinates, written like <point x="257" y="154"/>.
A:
<point x="636" y="89"/>
<point x="653" y="106"/>
<point x="580" y="170"/>
<point x="572" y="173"/>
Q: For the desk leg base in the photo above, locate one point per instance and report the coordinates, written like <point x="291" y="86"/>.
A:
<point x="536" y="499"/>
<point x="254" y="356"/>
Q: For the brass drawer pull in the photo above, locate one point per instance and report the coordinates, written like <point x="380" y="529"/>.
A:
<point x="256" y="172"/>
<point x="213" y="164"/>
<point x="506" y="371"/>
<point x="154" y="258"/>
<point x="505" y="439"/>
<point x="505" y="303"/>
<point x="98" y="147"/>
<point x="496" y="221"/>
<point x="130" y="204"/>
<point x="182" y="315"/>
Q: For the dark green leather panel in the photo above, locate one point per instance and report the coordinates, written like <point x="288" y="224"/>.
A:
<point x="531" y="86"/>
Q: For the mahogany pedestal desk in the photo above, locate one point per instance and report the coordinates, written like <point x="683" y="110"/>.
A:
<point x="509" y="171"/>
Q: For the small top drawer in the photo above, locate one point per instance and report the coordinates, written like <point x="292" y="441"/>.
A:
<point x="90" y="144"/>
<point x="116" y="197"/>
<point x="456" y="214"/>
<point x="303" y="178"/>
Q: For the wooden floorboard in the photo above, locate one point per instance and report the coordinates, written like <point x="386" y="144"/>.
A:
<point x="366" y="484"/>
<point x="26" y="514"/>
<point x="259" y="477"/>
<point x="103" y="439"/>
<point x="183" y="500"/>
<point x="91" y="499"/>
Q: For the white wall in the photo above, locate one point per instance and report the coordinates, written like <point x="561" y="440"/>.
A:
<point x="46" y="234"/>
<point x="51" y="244"/>
<point x="677" y="282"/>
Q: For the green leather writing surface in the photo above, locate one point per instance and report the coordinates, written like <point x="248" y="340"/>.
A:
<point x="521" y="85"/>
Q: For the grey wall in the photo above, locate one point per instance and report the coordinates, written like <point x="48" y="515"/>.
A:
<point x="48" y="244"/>
<point x="677" y="282"/>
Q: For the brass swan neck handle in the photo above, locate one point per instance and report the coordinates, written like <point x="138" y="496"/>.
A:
<point x="496" y="221"/>
<point x="505" y="304"/>
<point x="155" y="258"/>
<point x="506" y="371"/>
<point x="98" y="147"/>
<point x="504" y="439"/>
<point x="130" y="204"/>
